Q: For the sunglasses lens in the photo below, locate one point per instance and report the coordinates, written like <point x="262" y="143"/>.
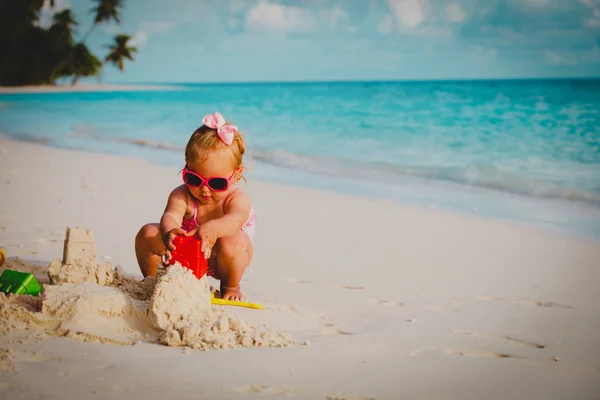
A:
<point x="191" y="180"/>
<point x="218" y="183"/>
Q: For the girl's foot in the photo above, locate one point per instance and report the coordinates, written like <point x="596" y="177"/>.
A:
<point x="231" y="293"/>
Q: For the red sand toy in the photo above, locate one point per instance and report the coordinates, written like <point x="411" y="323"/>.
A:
<point x="189" y="254"/>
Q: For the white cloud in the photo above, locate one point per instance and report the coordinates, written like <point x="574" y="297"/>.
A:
<point x="594" y="20"/>
<point x="386" y="25"/>
<point x="147" y="29"/>
<point x="140" y="39"/>
<point x="409" y="13"/>
<point x="410" y="16"/>
<point x="279" y="18"/>
<point x="454" y="13"/>
<point x="47" y="12"/>
<point x="338" y="17"/>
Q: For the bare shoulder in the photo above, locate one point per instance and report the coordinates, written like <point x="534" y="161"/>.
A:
<point x="179" y="199"/>
<point x="180" y="192"/>
<point x="238" y="199"/>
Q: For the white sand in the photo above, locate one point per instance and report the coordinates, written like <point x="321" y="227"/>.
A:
<point x="86" y="87"/>
<point x="179" y="300"/>
<point x="174" y="309"/>
<point x="395" y="301"/>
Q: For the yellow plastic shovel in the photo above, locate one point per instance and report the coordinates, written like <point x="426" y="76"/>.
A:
<point x="222" y="302"/>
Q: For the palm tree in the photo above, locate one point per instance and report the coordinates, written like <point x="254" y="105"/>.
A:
<point x="34" y="54"/>
<point x="65" y="19"/>
<point x="119" y="50"/>
<point x="82" y="63"/>
<point x="61" y="33"/>
<point x="62" y="24"/>
<point x="105" y="10"/>
<point x="18" y="32"/>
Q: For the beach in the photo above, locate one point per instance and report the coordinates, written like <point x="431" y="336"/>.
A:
<point x="384" y="300"/>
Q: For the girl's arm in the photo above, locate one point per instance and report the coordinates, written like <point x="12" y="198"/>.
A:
<point x="237" y="211"/>
<point x="174" y="211"/>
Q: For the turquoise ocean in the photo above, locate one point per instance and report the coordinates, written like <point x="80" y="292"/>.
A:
<point x="522" y="150"/>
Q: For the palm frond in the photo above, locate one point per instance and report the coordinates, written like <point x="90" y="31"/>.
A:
<point x="107" y="10"/>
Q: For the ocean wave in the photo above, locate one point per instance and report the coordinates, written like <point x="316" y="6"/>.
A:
<point x="28" y="138"/>
<point x="89" y="132"/>
<point x="484" y="176"/>
<point x="487" y="176"/>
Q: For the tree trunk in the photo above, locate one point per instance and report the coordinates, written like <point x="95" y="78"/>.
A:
<point x="75" y="79"/>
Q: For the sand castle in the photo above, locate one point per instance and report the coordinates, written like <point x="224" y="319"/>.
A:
<point x="89" y="301"/>
<point x="79" y="263"/>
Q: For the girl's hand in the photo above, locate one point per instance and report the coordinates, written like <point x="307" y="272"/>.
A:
<point x="168" y="240"/>
<point x="208" y="234"/>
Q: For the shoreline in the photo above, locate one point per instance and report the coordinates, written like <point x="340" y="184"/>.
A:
<point x="342" y="191"/>
<point x="79" y="88"/>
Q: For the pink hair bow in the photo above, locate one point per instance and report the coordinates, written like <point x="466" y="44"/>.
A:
<point x="217" y="121"/>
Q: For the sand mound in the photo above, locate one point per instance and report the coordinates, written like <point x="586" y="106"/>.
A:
<point x="173" y="310"/>
<point x="97" y="310"/>
<point x="79" y="271"/>
<point x="180" y="307"/>
<point x="132" y="286"/>
<point x="179" y="300"/>
<point x="79" y="263"/>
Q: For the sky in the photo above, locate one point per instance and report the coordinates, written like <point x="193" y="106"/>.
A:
<point x="316" y="40"/>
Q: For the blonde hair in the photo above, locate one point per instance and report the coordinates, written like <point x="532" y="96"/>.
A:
<point x="205" y="139"/>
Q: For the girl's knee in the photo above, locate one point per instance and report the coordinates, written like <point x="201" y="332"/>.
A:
<point x="233" y="246"/>
<point x="148" y="237"/>
<point x="147" y="231"/>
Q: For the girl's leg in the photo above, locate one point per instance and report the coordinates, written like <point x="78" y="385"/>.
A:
<point x="149" y="249"/>
<point x="232" y="255"/>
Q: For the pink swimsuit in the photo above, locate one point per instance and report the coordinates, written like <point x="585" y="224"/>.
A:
<point x="248" y="227"/>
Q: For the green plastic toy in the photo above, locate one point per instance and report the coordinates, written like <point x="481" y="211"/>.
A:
<point x="19" y="283"/>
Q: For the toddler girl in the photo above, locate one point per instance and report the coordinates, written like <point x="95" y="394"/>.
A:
<point x="210" y="205"/>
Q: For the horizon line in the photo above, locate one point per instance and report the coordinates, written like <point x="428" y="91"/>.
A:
<point x="565" y="78"/>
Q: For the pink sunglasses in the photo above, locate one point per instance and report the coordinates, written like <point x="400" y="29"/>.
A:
<point x="214" y="183"/>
